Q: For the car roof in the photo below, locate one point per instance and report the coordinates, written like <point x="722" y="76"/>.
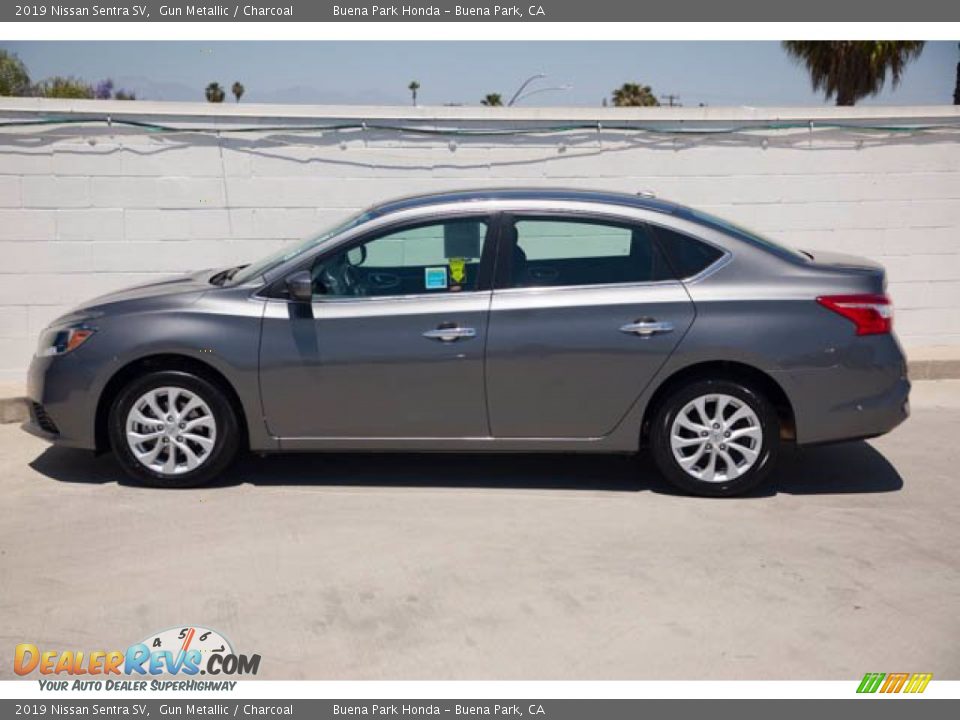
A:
<point x="641" y="200"/>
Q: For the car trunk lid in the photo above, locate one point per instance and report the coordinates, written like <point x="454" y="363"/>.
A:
<point x="866" y="274"/>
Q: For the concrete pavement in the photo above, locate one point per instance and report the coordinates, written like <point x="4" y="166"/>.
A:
<point x="535" y="567"/>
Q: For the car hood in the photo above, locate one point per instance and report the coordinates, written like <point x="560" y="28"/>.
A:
<point x="181" y="290"/>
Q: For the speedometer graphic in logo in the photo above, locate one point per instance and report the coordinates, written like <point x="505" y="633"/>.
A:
<point x="184" y="639"/>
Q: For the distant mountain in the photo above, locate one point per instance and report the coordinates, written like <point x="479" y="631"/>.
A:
<point x="147" y="89"/>
<point x="309" y="95"/>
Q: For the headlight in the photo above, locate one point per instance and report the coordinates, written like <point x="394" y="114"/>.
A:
<point x="59" y="341"/>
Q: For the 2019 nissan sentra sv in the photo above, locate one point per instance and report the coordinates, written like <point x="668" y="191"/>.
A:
<point x="496" y="320"/>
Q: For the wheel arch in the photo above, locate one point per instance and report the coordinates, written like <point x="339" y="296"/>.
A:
<point x="155" y="363"/>
<point x="724" y="370"/>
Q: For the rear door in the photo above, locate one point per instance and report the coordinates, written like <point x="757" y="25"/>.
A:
<point x="584" y="313"/>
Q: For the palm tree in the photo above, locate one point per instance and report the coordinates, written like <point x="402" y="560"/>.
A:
<point x="14" y="79"/>
<point x="492" y="100"/>
<point x="853" y="69"/>
<point x="237" y="90"/>
<point x="634" y="95"/>
<point x="413" y="87"/>
<point x="215" y="93"/>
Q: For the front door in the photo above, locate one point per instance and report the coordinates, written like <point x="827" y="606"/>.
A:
<point x="584" y="315"/>
<point x="392" y="344"/>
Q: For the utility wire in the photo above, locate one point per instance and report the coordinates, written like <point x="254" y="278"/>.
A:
<point x="489" y="132"/>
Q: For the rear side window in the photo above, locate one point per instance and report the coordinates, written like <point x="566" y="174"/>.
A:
<point x="687" y="256"/>
<point x="563" y="252"/>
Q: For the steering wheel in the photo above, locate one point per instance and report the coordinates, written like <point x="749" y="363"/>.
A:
<point x="339" y="276"/>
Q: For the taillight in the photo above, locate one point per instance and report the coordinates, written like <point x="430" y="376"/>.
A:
<point x="872" y="314"/>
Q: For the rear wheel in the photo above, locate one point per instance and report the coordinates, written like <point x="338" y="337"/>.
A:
<point x="715" y="437"/>
<point x="173" y="429"/>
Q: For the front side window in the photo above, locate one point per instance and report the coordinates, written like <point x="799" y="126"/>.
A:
<point x="557" y="252"/>
<point x="435" y="258"/>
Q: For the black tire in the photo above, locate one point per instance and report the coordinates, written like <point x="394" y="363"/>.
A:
<point x="217" y="459"/>
<point x="769" y="443"/>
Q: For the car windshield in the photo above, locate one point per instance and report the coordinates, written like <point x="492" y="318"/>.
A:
<point x="289" y="253"/>
<point x="750" y="236"/>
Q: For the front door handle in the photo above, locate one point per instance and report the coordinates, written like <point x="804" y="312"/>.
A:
<point x="450" y="333"/>
<point x="645" y="327"/>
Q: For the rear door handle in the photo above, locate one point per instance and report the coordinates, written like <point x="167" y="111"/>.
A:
<point x="645" y="327"/>
<point x="450" y="334"/>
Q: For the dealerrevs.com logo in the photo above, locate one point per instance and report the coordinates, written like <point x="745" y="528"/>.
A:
<point x="188" y="651"/>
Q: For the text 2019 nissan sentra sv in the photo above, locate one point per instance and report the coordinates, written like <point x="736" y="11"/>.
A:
<point x="496" y="320"/>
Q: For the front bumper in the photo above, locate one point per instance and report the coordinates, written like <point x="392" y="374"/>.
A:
<point x="62" y="400"/>
<point x="40" y="423"/>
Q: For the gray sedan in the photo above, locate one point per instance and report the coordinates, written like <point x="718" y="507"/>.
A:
<point x="496" y="320"/>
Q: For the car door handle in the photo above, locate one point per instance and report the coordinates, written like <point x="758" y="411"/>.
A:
<point x="645" y="327"/>
<point x="450" y="334"/>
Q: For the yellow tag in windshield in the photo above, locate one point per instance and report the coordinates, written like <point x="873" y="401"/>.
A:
<point x="458" y="270"/>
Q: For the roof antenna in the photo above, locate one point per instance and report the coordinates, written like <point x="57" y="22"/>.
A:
<point x="646" y="194"/>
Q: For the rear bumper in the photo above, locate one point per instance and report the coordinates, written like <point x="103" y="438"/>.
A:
<point x="865" y="393"/>
<point x="862" y="418"/>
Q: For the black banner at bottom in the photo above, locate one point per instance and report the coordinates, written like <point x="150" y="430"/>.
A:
<point x="875" y="708"/>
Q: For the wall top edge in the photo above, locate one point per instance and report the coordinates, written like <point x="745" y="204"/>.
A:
<point x="233" y="113"/>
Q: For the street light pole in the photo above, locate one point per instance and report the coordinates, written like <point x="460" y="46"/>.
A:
<point x="516" y="95"/>
<point x="540" y="90"/>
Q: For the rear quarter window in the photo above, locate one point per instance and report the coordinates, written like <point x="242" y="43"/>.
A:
<point x="686" y="255"/>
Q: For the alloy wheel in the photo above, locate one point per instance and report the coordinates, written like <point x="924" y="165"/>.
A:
<point x="716" y="438"/>
<point x="171" y="430"/>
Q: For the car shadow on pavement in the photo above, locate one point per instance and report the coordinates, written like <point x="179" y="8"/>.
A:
<point x="844" y="468"/>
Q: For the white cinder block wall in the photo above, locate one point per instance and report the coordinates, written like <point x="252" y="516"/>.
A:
<point x="86" y="208"/>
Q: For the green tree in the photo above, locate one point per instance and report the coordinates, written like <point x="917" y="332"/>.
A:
<point x="215" y="93"/>
<point x="413" y="87"/>
<point x="64" y="87"/>
<point x="14" y="79"/>
<point x="492" y="100"/>
<point x="851" y="70"/>
<point x="237" y="90"/>
<point x="634" y="95"/>
<point x="125" y="95"/>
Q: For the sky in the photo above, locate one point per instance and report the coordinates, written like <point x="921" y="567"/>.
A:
<point x="730" y="73"/>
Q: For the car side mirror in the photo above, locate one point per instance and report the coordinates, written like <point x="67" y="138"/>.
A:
<point x="300" y="286"/>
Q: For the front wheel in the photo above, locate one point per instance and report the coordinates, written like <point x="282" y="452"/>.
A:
<point x="715" y="438"/>
<point x="173" y="429"/>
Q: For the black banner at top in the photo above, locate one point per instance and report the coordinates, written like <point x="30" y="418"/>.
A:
<point x="225" y="706"/>
<point x="480" y="11"/>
